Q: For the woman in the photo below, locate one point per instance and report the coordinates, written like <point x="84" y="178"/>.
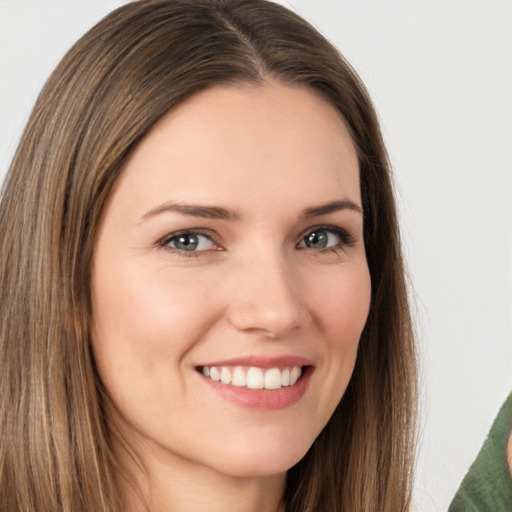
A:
<point x="203" y="296"/>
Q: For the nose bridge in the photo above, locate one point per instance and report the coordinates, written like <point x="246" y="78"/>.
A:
<point x="266" y="295"/>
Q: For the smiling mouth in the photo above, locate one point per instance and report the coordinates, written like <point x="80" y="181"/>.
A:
<point x="253" y="377"/>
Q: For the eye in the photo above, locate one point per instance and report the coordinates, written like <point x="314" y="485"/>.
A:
<point x="189" y="241"/>
<point x="325" y="238"/>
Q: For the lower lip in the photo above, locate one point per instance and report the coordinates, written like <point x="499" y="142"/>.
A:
<point x="263" y="399"/>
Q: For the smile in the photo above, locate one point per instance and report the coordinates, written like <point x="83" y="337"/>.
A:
<point x="252" y="377"/>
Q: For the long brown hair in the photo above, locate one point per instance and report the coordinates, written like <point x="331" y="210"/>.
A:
<point x="112" y="86"/>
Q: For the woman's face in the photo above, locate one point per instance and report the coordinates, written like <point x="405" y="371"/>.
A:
<point x="232" y="248"/>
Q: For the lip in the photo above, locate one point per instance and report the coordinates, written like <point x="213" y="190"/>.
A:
<point x="262" y="362"/>
<point x="262" y="399"/>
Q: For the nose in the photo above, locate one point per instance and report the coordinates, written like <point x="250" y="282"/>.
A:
<point x="266" y="299"/>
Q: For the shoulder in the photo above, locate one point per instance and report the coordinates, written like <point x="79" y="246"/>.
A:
<point x="488" y="483"/>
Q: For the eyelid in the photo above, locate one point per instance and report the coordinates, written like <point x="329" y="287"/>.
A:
<point x="208" y="233"/>
<point x="346" y="237"/>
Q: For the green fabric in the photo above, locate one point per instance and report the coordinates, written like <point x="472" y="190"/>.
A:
<point x="487" y="487"/>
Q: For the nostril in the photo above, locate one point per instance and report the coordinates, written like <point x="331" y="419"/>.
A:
<point x="265" y="319"/>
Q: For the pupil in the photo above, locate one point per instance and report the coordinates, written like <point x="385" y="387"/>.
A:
<point x="186" y="242"/>
<point x="317" y="239"/>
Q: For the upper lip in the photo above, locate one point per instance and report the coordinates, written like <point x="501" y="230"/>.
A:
<point x="286" y="361"/>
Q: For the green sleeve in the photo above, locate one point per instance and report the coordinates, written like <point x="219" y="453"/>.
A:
<point x="487" y="487"/>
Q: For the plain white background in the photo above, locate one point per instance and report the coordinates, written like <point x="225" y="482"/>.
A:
<point x="440" y="74"/>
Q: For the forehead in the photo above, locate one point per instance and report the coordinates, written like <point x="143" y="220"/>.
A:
<point x="243" y="142"/>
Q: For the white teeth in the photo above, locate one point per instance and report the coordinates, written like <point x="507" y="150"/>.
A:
<point x="225" y="375"/>
<point x="239" y="378"/>
<point x="214" y="373"/>
<point x="253" y="377"/>
<point x="294" y="375"/>
<point x="285" y="377"/>
<point x="273" y="379"/>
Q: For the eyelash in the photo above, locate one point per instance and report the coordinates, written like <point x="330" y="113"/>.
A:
<point x="346" y="240"/>
<point x="164" y="242"/>
<point x="345" y="237"/>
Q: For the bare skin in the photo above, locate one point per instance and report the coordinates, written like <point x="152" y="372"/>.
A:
<point x="234" y="240"/>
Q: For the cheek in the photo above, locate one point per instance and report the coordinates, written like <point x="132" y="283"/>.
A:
<point x="342" y="304"/>
<point x="145" y="322"/>
<point x="146" y="303"/>
<point x="342" y="310"/>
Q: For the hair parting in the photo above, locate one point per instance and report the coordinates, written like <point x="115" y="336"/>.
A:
<point x="116" y="82"/>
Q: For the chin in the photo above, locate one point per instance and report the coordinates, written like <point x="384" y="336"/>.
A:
<point x="263" y="459"/>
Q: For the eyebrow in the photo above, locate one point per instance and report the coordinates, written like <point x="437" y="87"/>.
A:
<point x="335" y="206"/>
<point x="206" y="212"/>
<point x="218" y="212"/>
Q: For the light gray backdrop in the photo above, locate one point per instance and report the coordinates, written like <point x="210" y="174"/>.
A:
<point x="440" y="74"/>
